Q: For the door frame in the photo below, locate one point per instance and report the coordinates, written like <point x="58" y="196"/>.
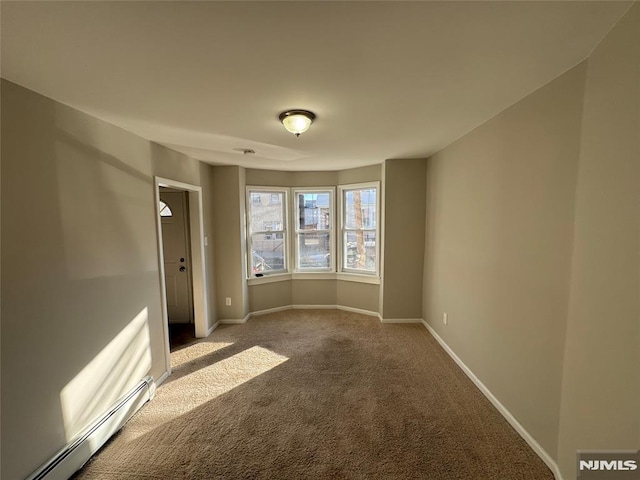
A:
<point x="198" y="261"/>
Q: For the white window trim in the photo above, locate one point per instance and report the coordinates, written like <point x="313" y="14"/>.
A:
<point x="285" y="225"/>
<point x="296" y="230"/>
<point x="337" y="272"/>
<point x="349" y="271"/>
<point x="273" y="278"/>
<point x="343" y="277"/>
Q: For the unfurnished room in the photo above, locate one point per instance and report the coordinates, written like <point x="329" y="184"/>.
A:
<point x="320" y="240"/>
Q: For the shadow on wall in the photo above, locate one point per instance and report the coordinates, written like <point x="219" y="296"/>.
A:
<point x="80" y="273"/>
<point x="107" y="212"/>
<point x="104" y="202"/>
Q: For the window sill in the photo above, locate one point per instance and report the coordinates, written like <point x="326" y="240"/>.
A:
<point x="342" y="276"/>
<point x="319" y="275"/>
<point x="358" y="277"/>
<point x="276" y="277"/>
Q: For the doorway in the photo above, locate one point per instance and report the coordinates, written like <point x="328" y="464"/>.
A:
<point x="174" y="222"/>
<point x="180" y="232"/>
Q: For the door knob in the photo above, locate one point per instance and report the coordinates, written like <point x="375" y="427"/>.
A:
<point x="182" y="269"/>
<point x="182" y="259"/>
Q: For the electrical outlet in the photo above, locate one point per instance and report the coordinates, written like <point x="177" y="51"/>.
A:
<point x="228" y="301"/>
<point x="445" y="318"/>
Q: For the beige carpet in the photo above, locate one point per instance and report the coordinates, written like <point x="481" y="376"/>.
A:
<point x="316" y="395"/>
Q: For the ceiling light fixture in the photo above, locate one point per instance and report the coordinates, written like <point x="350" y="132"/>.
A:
<point x="297" y="121"/>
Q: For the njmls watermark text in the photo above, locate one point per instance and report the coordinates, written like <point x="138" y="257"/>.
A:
<point x="609" y="465"/>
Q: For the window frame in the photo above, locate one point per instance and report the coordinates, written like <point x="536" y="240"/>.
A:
<point x="296" y="231"/>
<point x="343" y="189"/>
<point x="284" y="206"/>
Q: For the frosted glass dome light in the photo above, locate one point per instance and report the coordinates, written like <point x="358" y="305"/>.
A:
<point x="297" y="121"/>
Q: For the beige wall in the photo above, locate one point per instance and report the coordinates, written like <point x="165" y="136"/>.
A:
<point x="242" y="182"/>
<point x="292" y="292"/>
<point x="81" y="308"/>
<point x="206" y="181"/>
<point x="313" y="292"/>
<point x="268" y="178"/>
<point x="499" y="239"/>
<point x="372" y="173"/>
<point x="277" y="178"/>
<point x="533" y="251"/>
<point x="174" y="165"/>
<point x="342" y="293"/>
<point x="601" y="377"/>
<point x="269" y="295"/>
<point x="228" y="191"/>
<point x="362" y="296"/>
<point x="404" y="196"/>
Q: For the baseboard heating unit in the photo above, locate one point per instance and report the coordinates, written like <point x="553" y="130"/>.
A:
<point x="76" y="453"/>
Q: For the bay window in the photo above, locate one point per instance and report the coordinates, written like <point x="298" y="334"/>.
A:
<point x="313" y="234"/>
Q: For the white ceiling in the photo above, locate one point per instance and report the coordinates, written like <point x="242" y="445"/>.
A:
<point x="385" y="79"/>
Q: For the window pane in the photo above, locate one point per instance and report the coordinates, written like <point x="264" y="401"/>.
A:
<point x="360" y="250"/>
<point x="313" y="211"/>
<point x="360" y="208"/>
<point x="266" y="214"/>
<point x="165" y="211"/>
<point x="267" y="254"/>
<point x="271" y="226"/>
<point x="314" y="250"/>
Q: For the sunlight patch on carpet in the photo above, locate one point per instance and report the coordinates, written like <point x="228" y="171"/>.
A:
<point x="199" y="387"/>
<point x="196" y="351"/>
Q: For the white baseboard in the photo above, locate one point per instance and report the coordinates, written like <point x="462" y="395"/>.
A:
<point x="401" y="320"/>
<point x="535" y="446"/>
<point x="234" y="321"/>
<point x="212" y="328"/>
<point x="359" y="310"/>
<point x="312" y="307"/>
<point x="269" y="310"/>
<point x="162" y="378"/>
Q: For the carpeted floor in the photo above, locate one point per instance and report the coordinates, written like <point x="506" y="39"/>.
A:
<point x="316" y="395"/>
